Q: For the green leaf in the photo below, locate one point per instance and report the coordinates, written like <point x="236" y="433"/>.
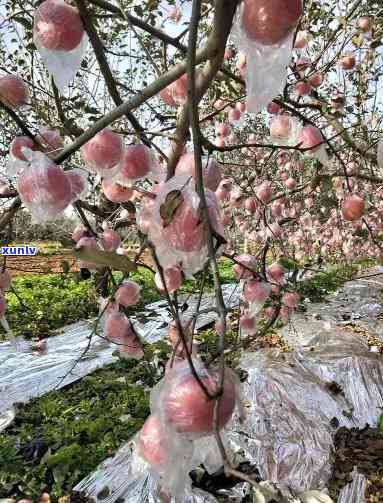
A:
<point x="288" y="263"/>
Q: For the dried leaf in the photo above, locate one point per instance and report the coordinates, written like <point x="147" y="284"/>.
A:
<point x="173" y="201"/>
<point x="105" y="258"/>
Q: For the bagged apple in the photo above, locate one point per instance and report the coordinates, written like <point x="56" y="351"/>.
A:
<point x="103" y="153"/>
<point x="172" y="277"/>
<point x="182" y="405"/>
<point x="60" y="38"/>
<point x="177" y="227"/>
<point x="264" y="30"/>
<point x="44" y="187"/>
<point x="119" y="330"/>
<point x="78" y="182"/>
<point x="211" y="170"/>
<point x="137" y="163"/>
<point x="17" y="159"/>
<point x="13" y="91"/>
<point x="128" y="293"/>
<point x="159" y="447"/>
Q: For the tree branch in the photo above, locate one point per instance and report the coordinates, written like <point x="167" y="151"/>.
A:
<point x="105" y="69"/>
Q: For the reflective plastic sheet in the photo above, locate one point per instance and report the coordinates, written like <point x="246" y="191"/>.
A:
<point x="122" y="478"/>
<point x="354" y="492"/>
<point x="291" y="403"/>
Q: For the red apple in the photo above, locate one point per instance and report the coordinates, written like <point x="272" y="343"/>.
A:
<point x="186" y="407"/>
<point x="222" y="129"/>
<point x="290" y="183"/>
<point x="268" y="22"/>
<point x="300" y="40"/>
<point x="302" y="88"/>
<point x="273" y="108"/>
<point x="364" y="23"/>
<point x="347" y="62"/>
<point x="251" y="204"/>
<point x="234" y="115"/>
<point x="175" y="14"/>
<point x="13" y="92"/>
<point x="353" y="208"/>
<point x="228" y="54"/>
<point x="316" y="79"/>
<point x="104" y="151"/>
<point x="57" y="26"/>
<point x="264" y="192"/>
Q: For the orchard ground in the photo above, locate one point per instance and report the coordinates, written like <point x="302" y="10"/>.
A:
<point x="58" y="439"/>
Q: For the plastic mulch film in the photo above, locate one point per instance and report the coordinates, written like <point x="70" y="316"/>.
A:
<point x="26" y="374"/>
<point x="354" y="492"/>
<point x="344" y="358"/>
<point x="291" y="408"/>
<point x="125" y="477"/>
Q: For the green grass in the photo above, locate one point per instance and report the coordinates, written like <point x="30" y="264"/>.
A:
<point x="57" y="440"/>
<point x="45" y="303"/>
<point x="329" y="280"/>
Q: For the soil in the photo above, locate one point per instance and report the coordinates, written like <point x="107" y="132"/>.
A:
<point x="45" y="264"/>
<point x="362" y="449"/>
<point x="41" y="264"/>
